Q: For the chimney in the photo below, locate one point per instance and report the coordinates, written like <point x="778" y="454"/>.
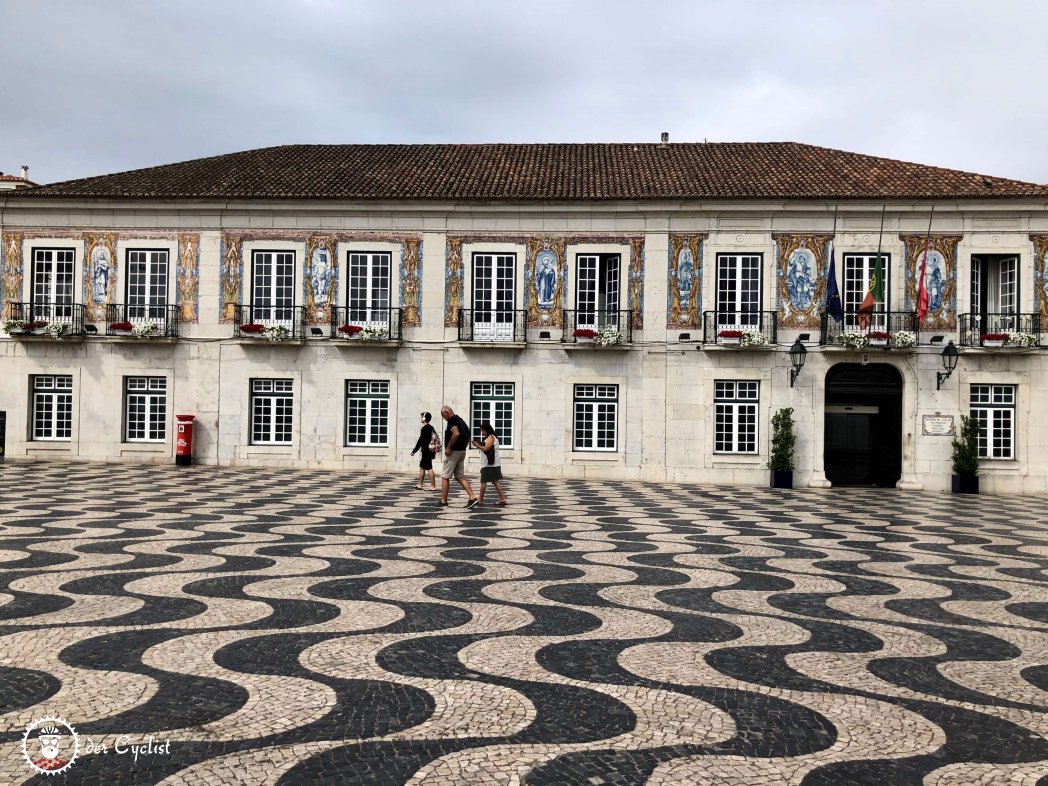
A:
<point x="665" y="139"/>
<point x="25" y="171"/>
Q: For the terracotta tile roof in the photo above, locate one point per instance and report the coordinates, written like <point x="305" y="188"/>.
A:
<point x="555" y="172"/>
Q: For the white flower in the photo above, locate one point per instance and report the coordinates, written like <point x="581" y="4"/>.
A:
<point x="277" y="333"/>
<point x="373" y="333"/>
<point x="752" y="338"/>
<point x="854" y="340"/>
<point x="58" y="329"/>
<point x="608" y="336"/>
<point x="904" y="339"/>
<point x="143" y="329"/>
<point x="1019" y="339"/>
<point x="13" y="324"/>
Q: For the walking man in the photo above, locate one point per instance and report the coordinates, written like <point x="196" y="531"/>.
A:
<point x="456" y="440"/>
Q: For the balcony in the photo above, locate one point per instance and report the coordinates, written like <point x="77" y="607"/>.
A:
<point x="492" y="326"/>
<point x="158" y="322"/>
<point x="45" y="319"/>
<point x="730" y="328"/>
<point x="879" y="330"/>
<point x="383" y="325"/>
<point x="578" y="325"/>
<point x="268" y="323"/>
<point x="1021" y="331"/>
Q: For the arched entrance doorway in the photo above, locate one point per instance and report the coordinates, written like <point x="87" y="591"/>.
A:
<point x="863" y="425"/>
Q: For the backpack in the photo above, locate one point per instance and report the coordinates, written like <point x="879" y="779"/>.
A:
<point x="434" y="443"/>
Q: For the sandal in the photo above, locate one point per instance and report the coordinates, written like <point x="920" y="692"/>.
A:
<point x="418" y="487"/>
<point x="501" y="504"/>
<point x="444" y="504"/>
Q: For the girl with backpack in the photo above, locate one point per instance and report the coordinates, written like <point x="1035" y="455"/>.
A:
<point x="429" y="444"/>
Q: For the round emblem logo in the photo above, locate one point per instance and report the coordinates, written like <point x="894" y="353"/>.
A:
<point x="50" y="745"/>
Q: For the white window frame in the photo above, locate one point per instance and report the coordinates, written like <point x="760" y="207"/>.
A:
<point x="369" y="287"/>
<point x="145" y="409"/>
<point x="273" y="286"/>
<point x="53" y="282"/>
<point x="148" y="272"/>
<point x="736" y="427"/>
<point x="857" y="270"/>
<point x="272" y="411"/>
<point x="598" y="290"/>
<point x="52" y="398"/>
<point x="738" y="307"/>
<point x="595" y="417"/>
<point x="994" y="408"/>
<point x="494" y="296"/>
<point x="368" y="402"/>
<point x="996" y="275"/>
<point x="494" y="402"/>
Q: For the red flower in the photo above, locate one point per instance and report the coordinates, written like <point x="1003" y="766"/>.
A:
<point x="121" y="326"/>
<point x="350" y="330"/>
<point x="253" y="329"/>
<point x="880" y="335"/>
<point x="36" y="325"/>
<point x="584" y="333"/>
<point x="730" y="334"/>
<point x="994" y="337"/>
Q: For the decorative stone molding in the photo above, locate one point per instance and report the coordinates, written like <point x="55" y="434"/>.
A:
<point x="940" y="280"/>
<point x="800" y="273"/>
<point x="684" y="291"/>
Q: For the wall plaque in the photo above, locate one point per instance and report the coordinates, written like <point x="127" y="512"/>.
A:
<point x="938" y="426"/>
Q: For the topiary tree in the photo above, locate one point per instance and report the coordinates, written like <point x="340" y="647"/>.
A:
<point x="782" y="440"/>
<point x="966" y="448"/>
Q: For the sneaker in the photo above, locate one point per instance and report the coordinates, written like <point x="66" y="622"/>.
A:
<point x="472" y="503"/>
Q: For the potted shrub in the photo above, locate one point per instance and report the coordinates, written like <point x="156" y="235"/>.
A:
<point x="993" y="339"/>
<point x="584" y="335"/>
<point x="729" y="336"/>
<point x="783" y="440"/>
<point x="966" y="458"/>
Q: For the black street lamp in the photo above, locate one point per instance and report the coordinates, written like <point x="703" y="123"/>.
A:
<point x="949" y="362"/>
<point x="798" y="354"/>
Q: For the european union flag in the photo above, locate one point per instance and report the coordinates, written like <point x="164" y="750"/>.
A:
<point x="833" y="296"/>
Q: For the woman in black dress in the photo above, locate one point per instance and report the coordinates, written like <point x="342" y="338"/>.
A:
<point x="425" y="438"/>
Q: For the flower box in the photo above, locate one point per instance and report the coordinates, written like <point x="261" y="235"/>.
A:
<point x="993" y="339"/>
<point x="584" y="335"/>
<point x="253" y="330"/>
<point x="349" y="331"/>
<point x="879" y="338"/>
<point x="121" y="327"/>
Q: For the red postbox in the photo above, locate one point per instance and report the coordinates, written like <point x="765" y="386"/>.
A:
<point x="184" y="440"/>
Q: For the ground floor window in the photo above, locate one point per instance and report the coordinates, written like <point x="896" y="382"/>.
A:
<point x="993" y="406"/>
<point x="367" y="413"/>
<point x="53" y="407"/>
<point x="596" y="417"/>
<point x="272" y="407"/>
<point x="493" y="401"/>
<point x="145" y="409"/>
<point x="736" y="416"/>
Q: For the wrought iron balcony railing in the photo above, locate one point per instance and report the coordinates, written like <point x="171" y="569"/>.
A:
<point x="266" y="322"/>
<point x="124" y="319"/>
<point x="889" y="322"/>
<point x="493" y="324"/>
<point x="974" y="326"/>
<point x="727" y="327"/>
<point x="587" y="319"/>
<point x="377" y="324"/>
<point x="40" y="317"/>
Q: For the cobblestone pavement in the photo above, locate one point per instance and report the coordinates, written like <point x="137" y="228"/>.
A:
<point x="284" y="627"/>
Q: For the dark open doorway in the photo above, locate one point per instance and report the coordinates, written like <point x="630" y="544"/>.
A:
<point x="863" y="425"/>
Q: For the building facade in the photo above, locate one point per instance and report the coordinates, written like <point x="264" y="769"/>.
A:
<point x="617" y="311"/>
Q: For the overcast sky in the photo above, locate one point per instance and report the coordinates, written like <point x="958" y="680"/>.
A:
<point x="95" y="86"/>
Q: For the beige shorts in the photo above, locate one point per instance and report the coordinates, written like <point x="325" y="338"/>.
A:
<point x="454" y="465"/>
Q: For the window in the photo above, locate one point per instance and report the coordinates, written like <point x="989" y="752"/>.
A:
<point x="53" y="407"/>
<point x="52" y="285"/>
<point x="272" y="403"/>
<point x="596" y="417"/>
<point x="146" y="284"/>
<point x="736" y="415"/>
<point x="739" y="290"/>
<point x="493" y="296"/>
<point x="272" y="286"/>
<point x="145" y="409"/>
<point x="493" y="402"/>
<point x="993" y="406"/>
<point x="367" y="413"/>
<point x="597" y="290"/>
<point x="368" y="295"/>
<point x="995" y="292"/>
<point x="858" y="272"/>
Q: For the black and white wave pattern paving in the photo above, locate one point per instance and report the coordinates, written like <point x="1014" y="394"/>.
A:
<point x="287" y="627"/>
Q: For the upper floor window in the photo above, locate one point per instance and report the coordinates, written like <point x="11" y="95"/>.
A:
<point x="53" y="276"/>
<point x="368" y="286"/>
<point x="739" y="289"/>
<point x="994" y="288"/>
<point x="147" y="275"/>
<point x="858" y="270"/>
<point x="735" y="406"/>
<point x="52" y="407"/>
<point x="597" y="289"/>
<point x="494" y="296"/>
<point x="272" y="286"/>
<point x="993" y="406"/>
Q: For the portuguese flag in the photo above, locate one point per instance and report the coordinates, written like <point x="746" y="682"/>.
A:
<point x="874" y="294"/>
